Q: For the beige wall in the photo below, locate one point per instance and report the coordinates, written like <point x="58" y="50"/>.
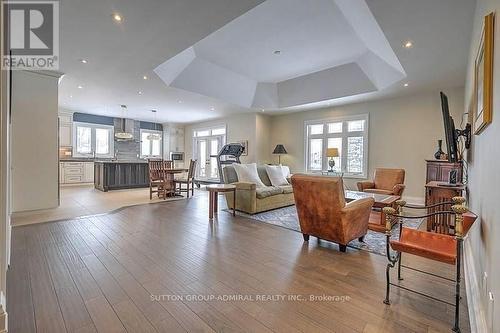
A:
<point x="403" y="133"/>
<point x="34" y="136"/>
<point x="483" y="247"/>
<point x="239" y="127"/>
<point x="263" y="138"/>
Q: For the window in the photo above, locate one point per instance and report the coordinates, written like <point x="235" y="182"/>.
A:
<point x="209" y="132"/>
<point x="348" y="134"/>
<point x="93" y="140"/>
<point x="151" y="143"/>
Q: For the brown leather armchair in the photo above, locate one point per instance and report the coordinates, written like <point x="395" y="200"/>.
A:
<point x="385" y="181"/>
<point x="323" y="211"/>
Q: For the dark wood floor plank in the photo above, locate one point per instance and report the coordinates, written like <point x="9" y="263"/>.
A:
<point x="106" y="274"/>
<point x="19" y="300"/>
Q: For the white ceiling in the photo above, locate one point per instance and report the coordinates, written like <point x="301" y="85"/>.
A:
<point x="214" y="32"/>
<point x="326" y="49"/>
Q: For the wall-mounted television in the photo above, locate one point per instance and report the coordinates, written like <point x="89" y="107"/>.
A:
<point x="452" y="134"/>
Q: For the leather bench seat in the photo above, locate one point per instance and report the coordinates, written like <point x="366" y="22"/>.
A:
<point x="429" y="245"/>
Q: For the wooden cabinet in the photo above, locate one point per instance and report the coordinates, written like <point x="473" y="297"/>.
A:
<point x="76" y="172"/>
<point x="65" y="129"/>
<point x="439" y="170"/>
<point x="436" y="192"/>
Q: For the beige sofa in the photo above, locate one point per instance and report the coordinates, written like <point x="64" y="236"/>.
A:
<point x="252" y="199"/>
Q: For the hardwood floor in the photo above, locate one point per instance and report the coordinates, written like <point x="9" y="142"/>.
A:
<point x="161" y="267"/>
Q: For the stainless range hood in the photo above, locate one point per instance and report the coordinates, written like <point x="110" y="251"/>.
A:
<point x="126" y="130"/>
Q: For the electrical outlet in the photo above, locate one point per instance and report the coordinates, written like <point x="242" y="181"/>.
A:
<point x="491" y="311"/>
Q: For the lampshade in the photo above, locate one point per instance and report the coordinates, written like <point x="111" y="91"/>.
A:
<point x="280" y="149"/>
<point x="332" y="152"/>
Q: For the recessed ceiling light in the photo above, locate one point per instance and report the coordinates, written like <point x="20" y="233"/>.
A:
<point x="117" y="17"/>
<point x="139" y="92"/>
<point x="83" y="61"/>
<point x="277" y="52"/>
<point x="263" y="110"/>
<point x="80" y="87"/>
<point x="70" y="96"/>
<point x="408" y="44"/>
<point x="212" y="109"/>
<point x="145" y="77"/>
<point x="406" y="84"/>
<point x="179" y="101"/>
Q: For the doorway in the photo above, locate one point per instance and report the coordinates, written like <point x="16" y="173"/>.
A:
<point x="206" y="145"/>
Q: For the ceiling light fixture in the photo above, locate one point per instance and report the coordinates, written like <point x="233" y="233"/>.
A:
<point x="179" y="101"/>
<point x="70" y="96"/>
<point x="406" y="84"/>
<point x="83" y="61"/>
<point x="154" y="136"/>
<point x="122" y="134"/>
<point x="80" y="87"/>
<point x="277" y="52"/>
<point x="263" y="110"/>
<point x="212" y="109"/>
<point x="117" y="17"/>
<point x="408" y="44"/>
<point x="145" y="77"/>
<point x="139" y="92"/>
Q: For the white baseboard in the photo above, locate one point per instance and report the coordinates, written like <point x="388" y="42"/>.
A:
<point x="477" y="315"/>
<point x="417" y="201"/>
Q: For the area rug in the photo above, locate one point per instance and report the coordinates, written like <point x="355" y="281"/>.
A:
<point x="287" y="218"/>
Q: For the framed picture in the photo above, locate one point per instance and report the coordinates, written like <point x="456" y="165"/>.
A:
<point x="483" y="77"/>
<point x="244" y="143"/>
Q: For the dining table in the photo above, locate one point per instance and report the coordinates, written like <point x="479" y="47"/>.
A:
<point x="170" y="179"/>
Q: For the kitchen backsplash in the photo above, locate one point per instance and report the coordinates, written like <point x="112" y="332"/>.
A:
<point x="128" y="150"/>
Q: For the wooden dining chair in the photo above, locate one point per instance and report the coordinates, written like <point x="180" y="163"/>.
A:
<point x="187" y="179"/>
<point x="445" y="248"/>
<point x="158" y="177"/>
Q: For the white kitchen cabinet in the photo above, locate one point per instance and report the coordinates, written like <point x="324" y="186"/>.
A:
<point x="61" y="173"/>
<point x="65" y="129"/>
<point x="65" y="135"/>
<point x="76" y="172"/>
<point x="88" y="172"/>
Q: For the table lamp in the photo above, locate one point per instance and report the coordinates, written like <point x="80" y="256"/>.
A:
<point x="331" y="153"/>
<point x="280" y="149"/>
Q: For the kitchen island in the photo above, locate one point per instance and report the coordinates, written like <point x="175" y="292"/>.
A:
<point x="117" y="175"/>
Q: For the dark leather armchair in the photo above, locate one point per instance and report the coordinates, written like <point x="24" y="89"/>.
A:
<point x="323" y="211"/>
<point x="385" y="181"/>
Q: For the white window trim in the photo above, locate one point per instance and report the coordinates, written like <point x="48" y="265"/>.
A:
<point x="93" y="140"/>
<point x="160" y="133"/>
<point x="327" y="135"/>
<point x="207" y="128"/>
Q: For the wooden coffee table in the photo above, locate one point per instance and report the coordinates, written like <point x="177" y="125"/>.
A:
<point x="213" y="191"/>
<point x="377" y="217"/>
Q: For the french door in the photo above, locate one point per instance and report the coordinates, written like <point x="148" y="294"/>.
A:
<point x="206" y="150"/>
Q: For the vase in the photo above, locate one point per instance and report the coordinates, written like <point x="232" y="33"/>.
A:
<point x="440" y="151"/>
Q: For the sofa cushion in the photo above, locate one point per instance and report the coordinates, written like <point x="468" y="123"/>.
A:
<point x="248" y="173"/>
<point x="275" y="174"/>
<point x="267" y="191"/>
<point x="286" y="189"/>
<point x="261" y="170"/>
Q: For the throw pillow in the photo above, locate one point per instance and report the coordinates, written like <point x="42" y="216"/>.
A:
<point x="286" y="170"/>
<point x="248" y="173"/>
<point x="275" y="174"/>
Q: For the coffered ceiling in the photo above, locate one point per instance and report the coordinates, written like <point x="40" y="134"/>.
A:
<point x="195" y="60"/>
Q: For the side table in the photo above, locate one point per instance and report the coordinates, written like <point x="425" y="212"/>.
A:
<point x="213" y="191"/>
